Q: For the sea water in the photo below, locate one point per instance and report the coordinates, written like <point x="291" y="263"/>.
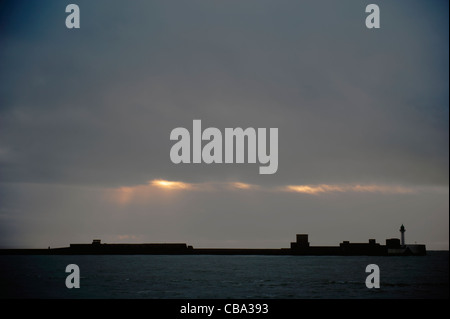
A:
<point x="237" y="277"/>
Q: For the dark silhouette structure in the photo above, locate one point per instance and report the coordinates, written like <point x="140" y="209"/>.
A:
<point x="402" y="231"/>
<point x="300" y="247"/>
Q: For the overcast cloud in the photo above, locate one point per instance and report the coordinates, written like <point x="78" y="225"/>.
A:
<point x="86" y="115"/>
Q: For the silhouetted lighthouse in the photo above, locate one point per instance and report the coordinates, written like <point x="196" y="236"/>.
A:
<point x="402" y="230"/>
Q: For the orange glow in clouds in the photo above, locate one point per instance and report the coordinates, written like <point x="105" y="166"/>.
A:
<point x="324" y="188"/>
<point x="155" y="188"/>
<point x="314" y="189"/>
<point x="139" y="193"/>
<point x="241" y="185"/>
<point x="161" y="183"/>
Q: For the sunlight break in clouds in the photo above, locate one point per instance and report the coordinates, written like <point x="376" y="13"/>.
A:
<point x="128" y="194"/>
<point x="170" y="184"/>
<point x="324" y="188"/>
<point x="240" y="185"/>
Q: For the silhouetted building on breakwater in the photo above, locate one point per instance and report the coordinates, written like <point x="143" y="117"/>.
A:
<point x="300" y="247"/>
<point x="346" y="248"/>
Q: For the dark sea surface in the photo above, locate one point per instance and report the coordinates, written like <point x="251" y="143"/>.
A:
<point x="236" y="277"/>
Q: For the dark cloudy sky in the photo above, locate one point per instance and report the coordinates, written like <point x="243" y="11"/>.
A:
<point x="86" y="116"/>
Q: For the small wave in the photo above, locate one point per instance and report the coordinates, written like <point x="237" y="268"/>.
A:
<point x="399" y="284"/>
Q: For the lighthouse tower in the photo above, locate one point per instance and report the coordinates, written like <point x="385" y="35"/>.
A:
<point x="402" y="231"/>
